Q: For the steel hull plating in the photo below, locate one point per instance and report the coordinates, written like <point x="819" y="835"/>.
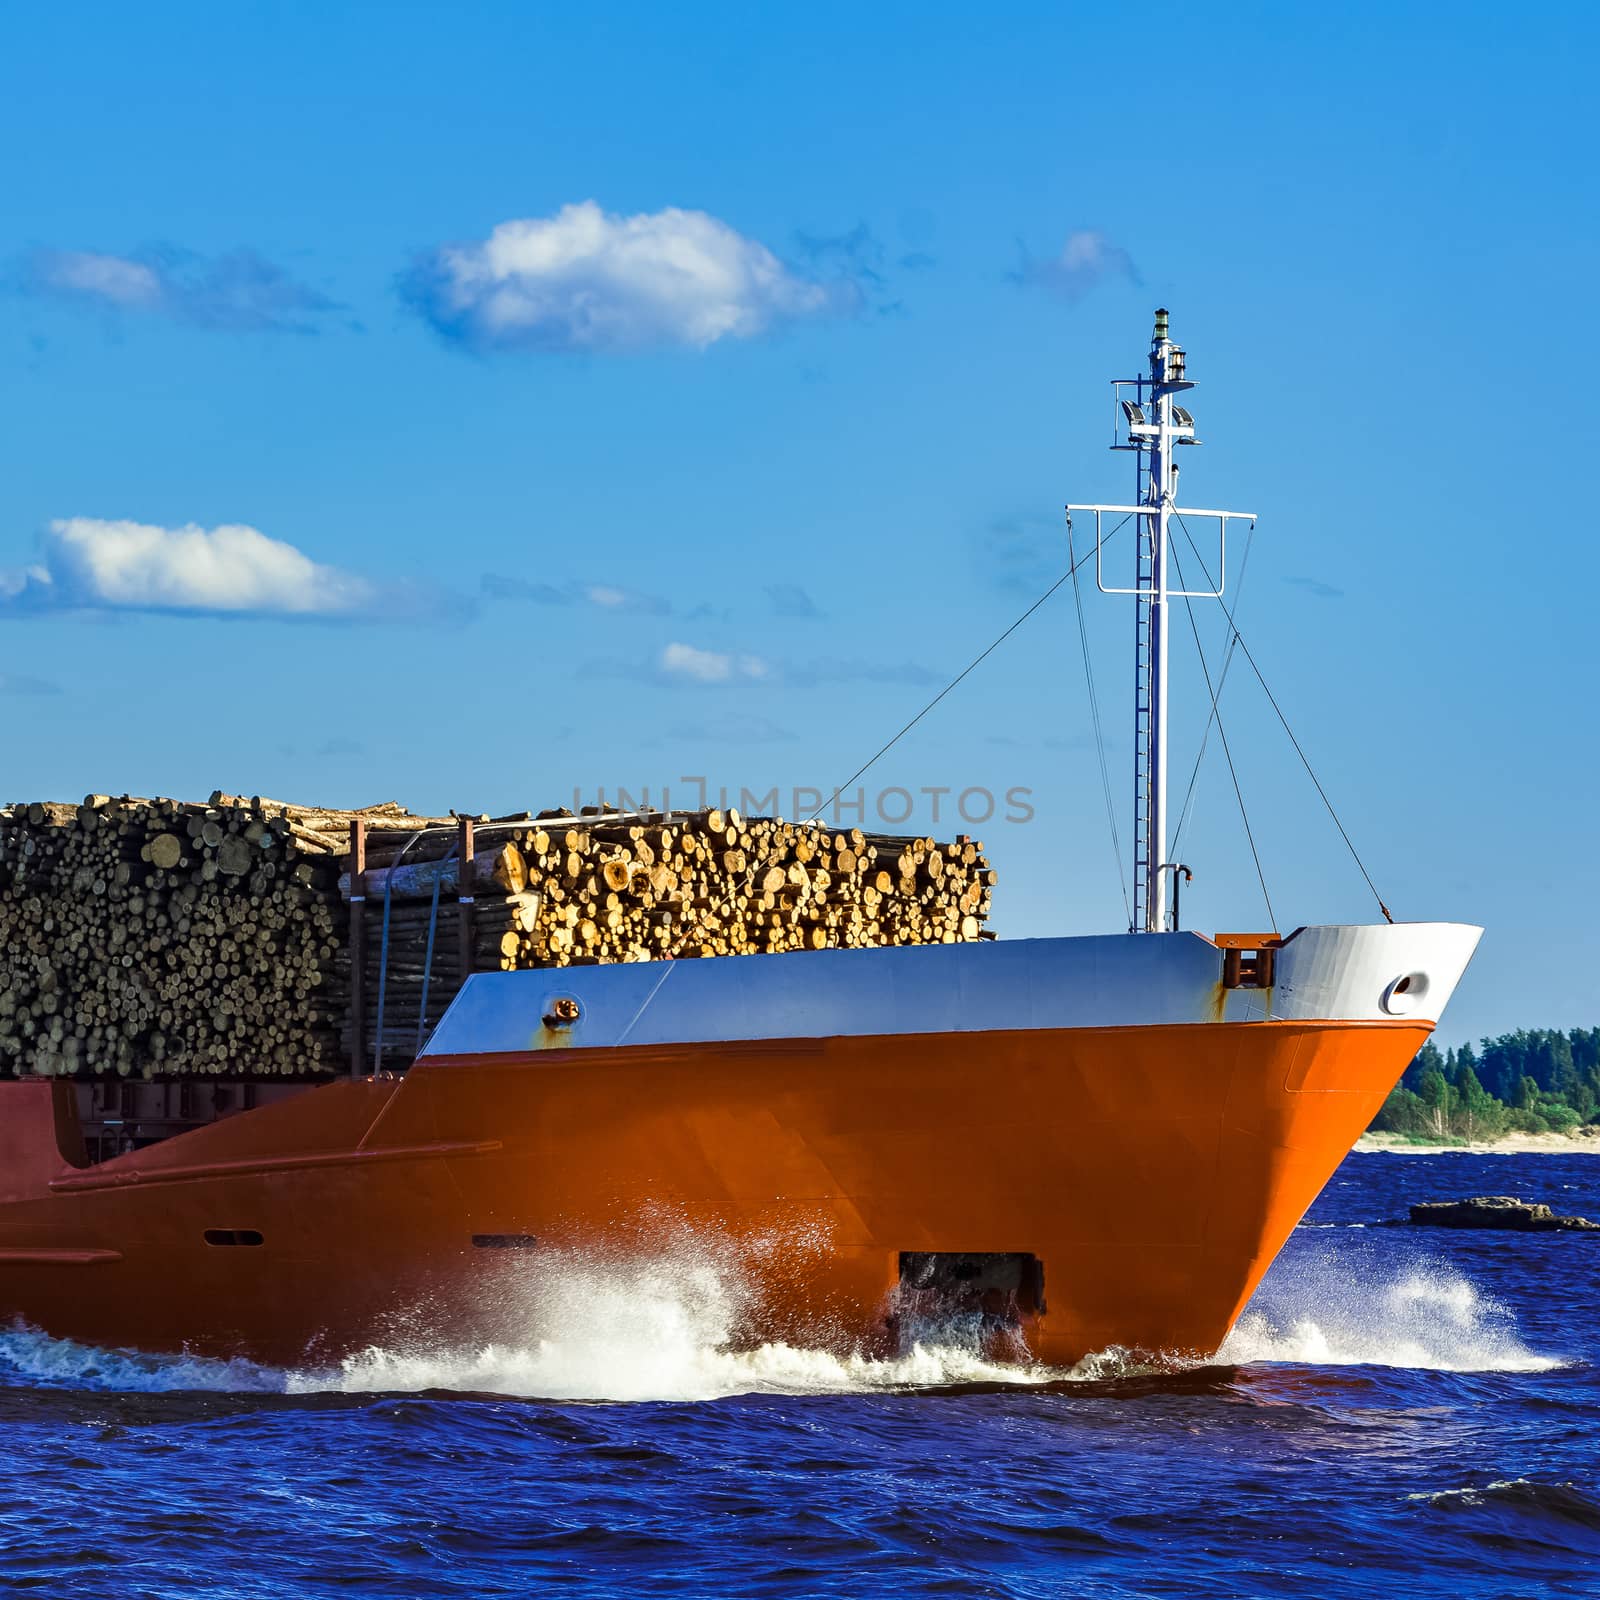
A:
<point x="1153" y="1171"/>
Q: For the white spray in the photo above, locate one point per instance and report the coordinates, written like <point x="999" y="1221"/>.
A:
<point x="660" y="1329"/>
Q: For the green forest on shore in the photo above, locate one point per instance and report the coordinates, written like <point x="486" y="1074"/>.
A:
<point x="1533" y="1081"/>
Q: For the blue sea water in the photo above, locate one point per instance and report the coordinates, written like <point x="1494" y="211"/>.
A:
<point x="1401" y="1412"/>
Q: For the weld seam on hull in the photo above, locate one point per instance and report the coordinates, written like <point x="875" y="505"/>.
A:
<point x="22" y="1256"/>
<point x="677" y="1050"/>
<point x="271" y="1164"/>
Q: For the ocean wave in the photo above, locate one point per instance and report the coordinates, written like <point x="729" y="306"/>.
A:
<point x="1330" y="1311"/>
<point x="664" y="1329"/>
<point x="1522" y="1514"/>
<point x="29" y="1356"/>
<point x="598" y="1329"/>
<point x="1562" y="1499"/>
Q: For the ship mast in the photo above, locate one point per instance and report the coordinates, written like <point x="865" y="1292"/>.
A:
<point x="1160" y="472"/>
<point x="1151" y="424"/>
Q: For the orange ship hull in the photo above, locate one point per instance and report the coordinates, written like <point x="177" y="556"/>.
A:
<point x="1152" y="1173"/>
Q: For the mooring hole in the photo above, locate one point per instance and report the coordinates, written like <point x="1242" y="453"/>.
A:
<point x="1003" y="1289"/>
<point x="233" y="1236"/>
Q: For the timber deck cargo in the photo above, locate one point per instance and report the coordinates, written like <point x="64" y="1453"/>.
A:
<point x="155" y="938"/>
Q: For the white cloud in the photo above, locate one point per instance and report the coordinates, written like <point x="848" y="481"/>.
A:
<point x="611" y="597"/>
<point x="116" y="279"/>
<point x="91" y="564"/>
<point x="604" y="596"/>
<point x="687" y="663"/>
<point x="587" y="279"/>
<point x="15" y="581"/>
<point x="136" y="565"/>
<point x="1090" y="254"/>
<point x="1086" y="258"/>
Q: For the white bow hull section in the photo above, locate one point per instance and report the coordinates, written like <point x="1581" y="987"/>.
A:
<point x="1347" y="974"/>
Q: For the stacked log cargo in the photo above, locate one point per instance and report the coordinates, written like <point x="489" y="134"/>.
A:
<point x="564" y="890"/>
<point x="714" y="883"/>
<point x="158" y="937"/>
<point x="152" y="937"/>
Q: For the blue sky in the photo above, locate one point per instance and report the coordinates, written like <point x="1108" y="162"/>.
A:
<point x="472" y="406"/>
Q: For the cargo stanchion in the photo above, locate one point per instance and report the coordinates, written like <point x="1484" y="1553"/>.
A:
<point x="358" y="944"/>
<point x="464" y="904"/>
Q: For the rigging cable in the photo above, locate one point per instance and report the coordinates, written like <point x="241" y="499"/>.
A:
<point x="1238" y="638"/>
<point x="886" y="747"/>
<point x="1222" y="733"/>
<point x="1229" y="612"/>
<point x="1094" y="714"/>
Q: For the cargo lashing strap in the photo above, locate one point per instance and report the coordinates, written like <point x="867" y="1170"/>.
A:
<point x="383" y="979"/>
<point x="383" y="956"/>
<point x="427" y="964"/>
<point x="461" y="853"/>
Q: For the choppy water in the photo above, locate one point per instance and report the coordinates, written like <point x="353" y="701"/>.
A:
<point x="1399" y="1413"/>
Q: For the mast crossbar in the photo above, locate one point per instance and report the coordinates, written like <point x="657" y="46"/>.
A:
<point x="1223" y="518"/>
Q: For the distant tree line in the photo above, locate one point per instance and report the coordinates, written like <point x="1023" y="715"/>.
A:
<point x="1533" y="1081"/>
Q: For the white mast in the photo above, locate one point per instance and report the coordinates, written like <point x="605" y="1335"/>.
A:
<point x="1154" y="617"/>
<point x="1151" y="425"/>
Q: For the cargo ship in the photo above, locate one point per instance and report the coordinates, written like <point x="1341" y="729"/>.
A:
<point x="1067" y="1145"/>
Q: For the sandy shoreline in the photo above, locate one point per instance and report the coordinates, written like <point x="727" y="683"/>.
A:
<point x="1513" y="1144"/>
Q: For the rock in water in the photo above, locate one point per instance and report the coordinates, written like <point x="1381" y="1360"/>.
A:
<point x="1498" y="1211"/>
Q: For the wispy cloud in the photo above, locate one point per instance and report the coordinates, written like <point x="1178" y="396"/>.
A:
<point x="1086" y="259"/>
<point x="855" y="258"/>
<point x="21" y="683"/>
<point x="855" y="254"/>
<point x="501" y="586"/>
<point x="690" y="666"/>
<point x="239" y="292"/>
<point x="686" y="663"/>
<point x="604" y="595"/>
<point x="733" y="728"/>
<point x="591" y="280"/>
<point x="836" y="669"/>
<point x="1022" y="553"/>
<point x="234" y="570"/>
<point x="1323" y="591"/>
<point x="613" y="597"/>
<point x="790" y="600"/>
